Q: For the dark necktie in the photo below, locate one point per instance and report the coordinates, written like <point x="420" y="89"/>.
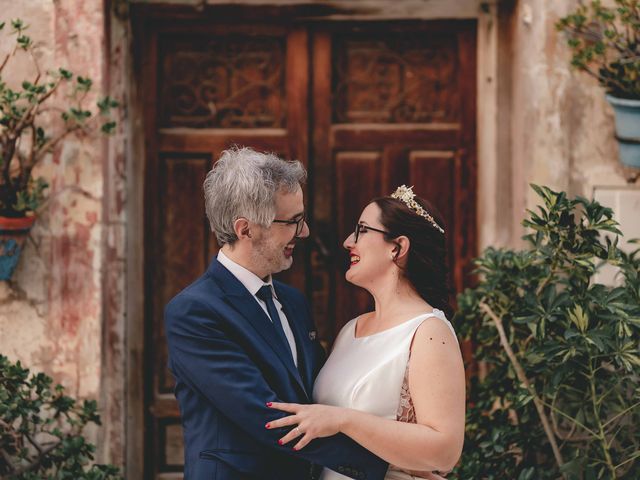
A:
<point x="266" y="295"/>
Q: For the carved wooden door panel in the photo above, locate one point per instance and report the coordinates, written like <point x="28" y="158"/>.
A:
<point x="402" y="111"/>
<point x="206" y="89"/>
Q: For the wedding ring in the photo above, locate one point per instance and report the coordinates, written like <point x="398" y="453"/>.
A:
<point x="298" y="431"/>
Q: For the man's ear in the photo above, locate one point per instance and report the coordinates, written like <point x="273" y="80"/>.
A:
<point x="401" y="248"/>
<point x="242" y="228"/>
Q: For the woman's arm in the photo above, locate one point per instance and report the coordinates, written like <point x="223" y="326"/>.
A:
<point x="437" y="385"/>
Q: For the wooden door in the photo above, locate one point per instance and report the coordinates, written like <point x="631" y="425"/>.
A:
<point x="207" y="88"/>
<point x="365" y="108"/>
<point x="393" y="104"/>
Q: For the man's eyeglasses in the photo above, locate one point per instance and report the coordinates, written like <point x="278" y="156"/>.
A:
<point x="299" y="223"/>
<point x="361" y="228"/>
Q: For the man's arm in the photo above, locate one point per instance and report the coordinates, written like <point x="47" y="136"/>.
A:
<point x="203" y="356"/>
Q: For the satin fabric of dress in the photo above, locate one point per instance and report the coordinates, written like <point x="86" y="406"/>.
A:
<point x="367" y="373"/>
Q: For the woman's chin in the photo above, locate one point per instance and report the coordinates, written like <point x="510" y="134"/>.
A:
<point x="350" y="277"/>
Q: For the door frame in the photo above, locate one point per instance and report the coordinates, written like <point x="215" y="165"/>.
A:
<point x="125" y="28"/>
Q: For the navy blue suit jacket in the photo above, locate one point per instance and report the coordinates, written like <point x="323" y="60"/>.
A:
<point x="223" y="355"/>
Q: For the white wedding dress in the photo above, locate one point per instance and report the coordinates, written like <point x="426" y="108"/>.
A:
<point x="369" y="374"/>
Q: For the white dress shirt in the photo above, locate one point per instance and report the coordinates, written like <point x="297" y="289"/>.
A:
<point x="253" y="283"/>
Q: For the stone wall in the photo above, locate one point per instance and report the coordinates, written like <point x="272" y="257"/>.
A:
<point x="51" y="313"/>
<point x="562" y="127"/>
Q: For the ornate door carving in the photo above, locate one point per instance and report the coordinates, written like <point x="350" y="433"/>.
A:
<point x="364" y="108"/>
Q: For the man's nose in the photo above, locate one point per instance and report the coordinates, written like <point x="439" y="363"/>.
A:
<point x="305" y="230"/>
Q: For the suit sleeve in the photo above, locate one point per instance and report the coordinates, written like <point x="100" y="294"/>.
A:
<point x="203" y="357"/>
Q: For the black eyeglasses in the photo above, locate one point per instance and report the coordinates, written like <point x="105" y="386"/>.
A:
<point x="299" y="223"/>
<point x="360" y="228"/>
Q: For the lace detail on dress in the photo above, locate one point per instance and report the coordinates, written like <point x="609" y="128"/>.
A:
<point x="406" y="413"/>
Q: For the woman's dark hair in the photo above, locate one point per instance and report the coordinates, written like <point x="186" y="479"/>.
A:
<point x="426" y="267"/>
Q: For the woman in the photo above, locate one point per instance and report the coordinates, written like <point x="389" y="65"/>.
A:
<point x="395" y="380"/>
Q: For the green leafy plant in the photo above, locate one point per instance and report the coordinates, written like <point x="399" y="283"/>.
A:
<point x="559" y="394"/>
<point x="27" y="133"/>
<point x="41" y="429"/>
<point x="605" y="44"/>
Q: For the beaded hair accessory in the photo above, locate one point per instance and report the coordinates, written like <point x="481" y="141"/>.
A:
<point x="405" y="195"/>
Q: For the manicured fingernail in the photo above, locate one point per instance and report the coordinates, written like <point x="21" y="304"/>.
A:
<point x="269" y="404"/>
<point x="279" y="442"/>
<point x="295" y="448"/>
<point x="268" y="425"/>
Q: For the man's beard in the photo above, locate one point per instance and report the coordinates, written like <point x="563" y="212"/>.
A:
<point x="270" y="257"/>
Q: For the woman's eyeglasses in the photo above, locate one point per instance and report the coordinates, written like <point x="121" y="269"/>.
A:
<point x="299" y="223"/>
<point x="361" y="228"/>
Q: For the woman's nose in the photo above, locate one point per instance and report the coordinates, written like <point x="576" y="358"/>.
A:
<point x="349" y="242"/>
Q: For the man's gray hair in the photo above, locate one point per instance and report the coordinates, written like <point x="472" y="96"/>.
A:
<point x="243" y="183"/>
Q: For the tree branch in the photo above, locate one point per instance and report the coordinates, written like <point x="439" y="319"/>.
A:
<point x="51" y="143"/>
<point x="525" y="381"/>
<point x="30" y="114"/>
<point x="9" y="55"/>
<point x="34" y="443"/>
<point x="36" y="461"/>
<point x="37" y="65"/>
<point x="620" y="414"/>
<point x="7" y="460"/>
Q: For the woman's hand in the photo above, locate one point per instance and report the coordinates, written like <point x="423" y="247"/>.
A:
<point x="311" y="421"/>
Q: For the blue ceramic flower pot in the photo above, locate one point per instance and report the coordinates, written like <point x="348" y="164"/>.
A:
<point x="13" y="234"/>
<point x="627" y="115"/>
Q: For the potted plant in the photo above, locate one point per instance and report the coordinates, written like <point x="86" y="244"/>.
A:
<point x="605" y="42"/>
<point x="29" y="131"/>
<point x="41" y="429"/>
<point x="560" y="394"/>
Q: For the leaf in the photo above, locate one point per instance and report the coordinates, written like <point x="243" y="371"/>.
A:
<point x="108" y="127"/>
<point x="24" y="42"/>
<point x="66" y="74"/>
<point x="18" y="25"/>
<point x="84" y="83"/>
<point x="579" y="318"/>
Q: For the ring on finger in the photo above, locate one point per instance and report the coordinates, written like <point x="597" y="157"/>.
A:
<point x="297" y="430"/>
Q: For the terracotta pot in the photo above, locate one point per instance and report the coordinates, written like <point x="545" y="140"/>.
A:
<point x="13" y="234"/>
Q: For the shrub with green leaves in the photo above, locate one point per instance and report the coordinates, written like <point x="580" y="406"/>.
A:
<point x="27" y="133"/>
<point x="41" y="430"/>
<point x="559" y="393"/>
<point x="605" y="42"/>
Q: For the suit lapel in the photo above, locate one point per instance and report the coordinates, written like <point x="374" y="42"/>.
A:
<point x="239" y="298"/>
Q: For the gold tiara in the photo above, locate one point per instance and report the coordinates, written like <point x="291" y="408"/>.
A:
<point x="405" y="195"/>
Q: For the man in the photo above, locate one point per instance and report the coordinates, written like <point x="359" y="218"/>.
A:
<point x="238" y="340"/>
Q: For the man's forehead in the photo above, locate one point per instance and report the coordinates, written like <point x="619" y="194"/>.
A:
<point x="292" y="202"/>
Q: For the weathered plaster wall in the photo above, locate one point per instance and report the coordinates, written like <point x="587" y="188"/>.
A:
<point x="562" y="128"/>
<point x="51" y="313"/>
